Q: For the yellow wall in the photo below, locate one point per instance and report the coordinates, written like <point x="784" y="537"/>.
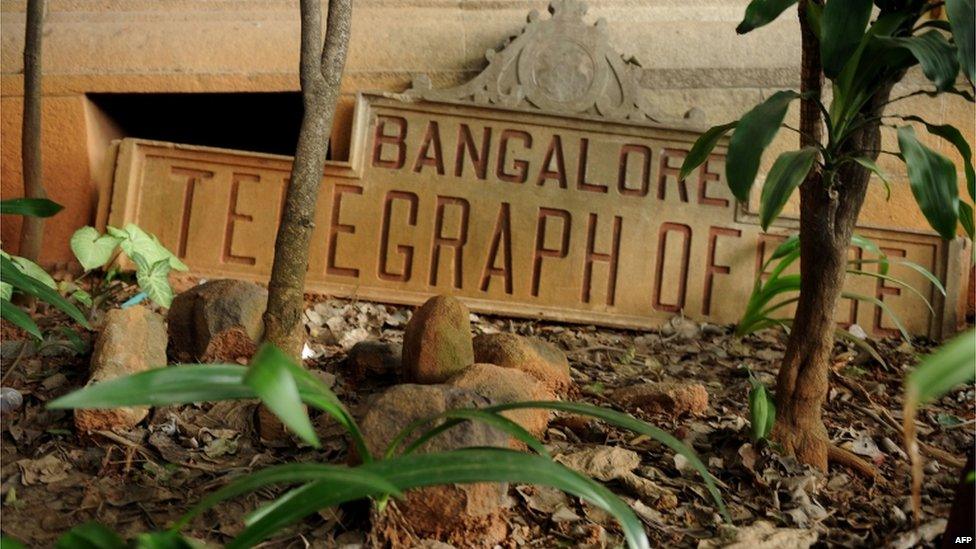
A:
<point x="690" y="54"/>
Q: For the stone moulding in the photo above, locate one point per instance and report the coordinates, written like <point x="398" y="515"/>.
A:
<point x="560" y="65"/>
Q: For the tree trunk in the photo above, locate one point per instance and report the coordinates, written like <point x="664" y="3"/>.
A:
<point x="32" y="230"/>
<point x="320" y="71"/>
<point x="828" y="213"/>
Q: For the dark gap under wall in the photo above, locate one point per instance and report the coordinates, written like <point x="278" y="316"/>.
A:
<point x="257" y="122"/>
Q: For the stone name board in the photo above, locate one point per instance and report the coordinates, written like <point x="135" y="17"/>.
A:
<point x="524" y="192"/>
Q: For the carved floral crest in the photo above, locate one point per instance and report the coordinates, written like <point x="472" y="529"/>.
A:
<point x="558" y="65"/>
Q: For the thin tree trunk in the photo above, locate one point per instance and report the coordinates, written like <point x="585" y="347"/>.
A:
<point x="320" y="70"/>
<point x="828" y="214"/>
<point x="32" y="231"/>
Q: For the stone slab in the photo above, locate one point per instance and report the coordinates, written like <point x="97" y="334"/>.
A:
<point x="568" y="218"/>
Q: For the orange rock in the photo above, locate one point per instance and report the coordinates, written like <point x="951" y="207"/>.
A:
<point x="133" y="340"/>
<point x="538" y="358"/>
<point x="217" y="321"/>
<point x="505" y="385"/>
<point x="671" y="398"/>
<point x="437" y="341"/>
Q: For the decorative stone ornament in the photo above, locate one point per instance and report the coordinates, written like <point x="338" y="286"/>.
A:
<point x="559" y="65"/>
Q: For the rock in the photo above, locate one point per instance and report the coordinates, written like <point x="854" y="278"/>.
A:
<point x="760" y="535"/>
<point x="538" y="358"/>
<point x="437" y="341"/>
<point x="376" y="358"/>
<point x="671" y="398"/>
<point x="681" y="328"/>
<point x="505" y="385"/>
<point x="133" y="340"/>
<point x="443" y="512"/>
<point x="217" y="321"/>
<point x="604" y="463"/>
<point x="10" y="399"/>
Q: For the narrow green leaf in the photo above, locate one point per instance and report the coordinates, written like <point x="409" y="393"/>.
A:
<point x="884" y="307"/>
<point x="894" y="280"/>
<point x="34" y="207"/>
<point x="937" y="56"/>
<point x="6" y="290"/>
<point x="759" y="410"/>
<point x="870" y="246"/>
<point x="276" y="388"/>
<point x="492" y="419"/>
<point x="154" y="280"/>
<point x="459" y="466"/>
<point x="786" y="174"/>
<point x="762" y="12"/>
<point x="19" y="318"/>
<point x="932" y="178"/>
<point x="872" y="166"/>
<point x="91" y="248"/>
<point x="316" y="394"/>
<point x="7" y="542"/>
<point x="940" y="372"/>
<point x="11" y="274"/>
<point x="34" y="271"/>
<point x="960" y="13"/>
<point x="910" y="264"/>
<point x="841" y="333"/>
<point x="163" y="540"/>
<point x="753" y="134"/>
<point x="703" y="147"/>
<point x="90" y="535"/>
<point x="842" y="28"/>
<point x="162" y="387"/>
<point x="341" y="477"/>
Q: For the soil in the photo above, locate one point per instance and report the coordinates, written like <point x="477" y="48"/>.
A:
<point x="54" y="478"/>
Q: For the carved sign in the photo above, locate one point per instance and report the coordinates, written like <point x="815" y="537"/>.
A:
<point x="574" y="216"/>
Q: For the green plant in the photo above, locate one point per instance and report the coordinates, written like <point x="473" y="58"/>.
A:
<point x="839" y="143"/>
<point x="20" y="275"/>
<point x="152" y="260"/>
<point x="762" y="409"/>
<point x="949" y="367"/>
<point x="779" y="289"/>
<point x="283" y="386"/>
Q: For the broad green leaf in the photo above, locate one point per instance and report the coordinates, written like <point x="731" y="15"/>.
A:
<point x="786" y="174"/>
<point x="753" y="134"/>
<point x="162" y="387"/>
<point x="16" y="316"/>
<point x="842" y="27"/>
<point x="342" y="477"/>
<point x="137" y="241"/>
<point x="11" y="274"/>
<point x="762" y="410"/>
<point x="873" y="166"/>
<point x="34" y="271"/>
<point x="936" y="55"/>
<point x="703" y="147"/>
<point x="953" y="136"/>
<point x="884" y="307"/>
<point x="932" y="178"/>
<point x="762" y="12"/>
<point x="961" y="20"/>
<point x="83" y="297"/>
<point x="90" y="535"/>
<point x="498" y="421"/>
<point x="7" y="542"/>
<point x="966" y="219"/>
<point x="276" y="388"/>
<point x="34" y="207"/>
<point x="459" y="466"/>
<point x="154" y="280"/>
<point x="91" y="248"/>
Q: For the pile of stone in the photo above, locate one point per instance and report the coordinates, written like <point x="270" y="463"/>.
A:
<point x="445" y="368"/>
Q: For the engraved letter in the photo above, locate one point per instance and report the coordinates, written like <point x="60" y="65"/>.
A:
<point x="662" y="240"/>
<point x="405" y="251"/>
<point x="645" y="180"/>
<point x="440" y="240"/>
<point x="192" y="178"/>
<point x="555" y="151"/>
<point x="335" y="227"/>
<point x="233" y="216"/>
<point x="592" y="256"/>
<point x="380" y="138"/>
<point x="521" y="166"/>
<point x="711" y="269"/>
<point x="540" y="243"/>
<point x="668" y="171"/>
<point x="501" y="239"/>
<point x="478" y="160"/>
<point x="581" y="182"/>
<point x="432" y="139"/>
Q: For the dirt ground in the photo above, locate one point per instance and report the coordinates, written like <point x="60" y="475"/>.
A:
<point x="54" y="479"/>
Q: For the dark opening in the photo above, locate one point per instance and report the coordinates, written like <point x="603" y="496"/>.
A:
<point x="258" y="122"/>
